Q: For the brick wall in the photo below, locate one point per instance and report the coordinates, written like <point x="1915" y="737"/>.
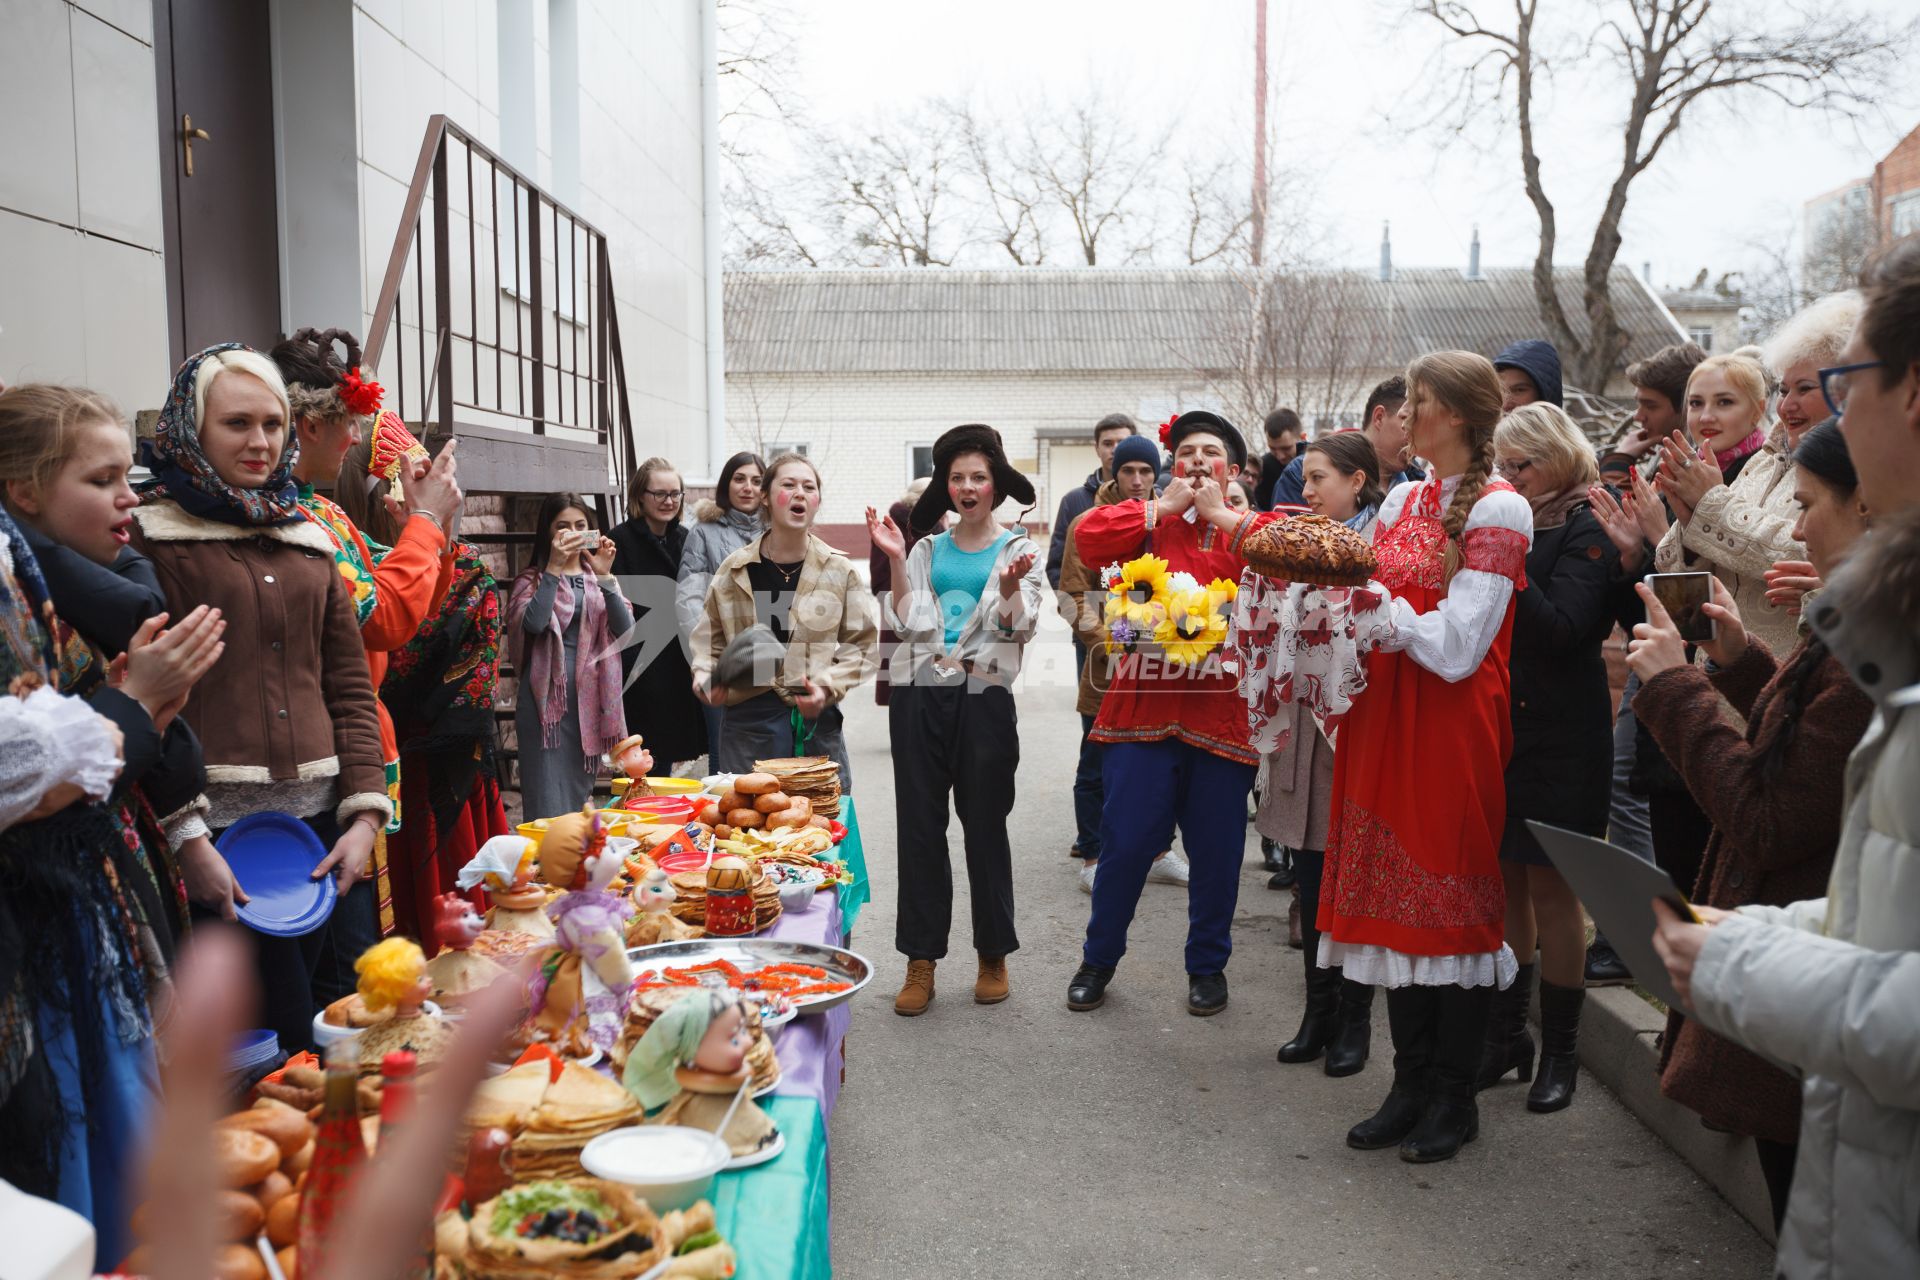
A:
<point x="1895" y="176"/>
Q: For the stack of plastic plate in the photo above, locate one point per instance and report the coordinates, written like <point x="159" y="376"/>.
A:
<point x="254" y="1050"/>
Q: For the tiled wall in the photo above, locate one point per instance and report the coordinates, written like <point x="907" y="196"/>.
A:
<point x="82" y="286"/>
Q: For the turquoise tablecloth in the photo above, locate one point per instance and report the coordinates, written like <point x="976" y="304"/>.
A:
<point x="775" y="1216"/>
<point x="856" y="895"/>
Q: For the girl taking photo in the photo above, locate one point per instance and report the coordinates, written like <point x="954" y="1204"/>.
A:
<point x="965" y="602"/>
<point x="1412" y="898"/>
<point x="818" y="617"/>
<point x="1341" y="480"/>
<point x="564" y="618"/>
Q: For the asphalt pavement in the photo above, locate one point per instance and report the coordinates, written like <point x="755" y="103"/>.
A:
<point x="1025" y="1140"/>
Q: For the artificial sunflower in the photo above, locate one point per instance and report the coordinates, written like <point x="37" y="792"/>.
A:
<point x="1196" y="623"/>
<point x="1138" y="595"/>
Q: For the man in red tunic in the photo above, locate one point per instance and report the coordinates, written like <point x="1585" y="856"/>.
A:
<point x="1176" y="736"/>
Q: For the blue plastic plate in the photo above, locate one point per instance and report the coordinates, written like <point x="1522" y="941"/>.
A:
<point x="273" y="856"/>
<point x="252" y="1049"/>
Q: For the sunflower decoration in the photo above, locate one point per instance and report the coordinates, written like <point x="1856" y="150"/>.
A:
<point x="1136" y="599"/>
<point x="1196" y="620"/>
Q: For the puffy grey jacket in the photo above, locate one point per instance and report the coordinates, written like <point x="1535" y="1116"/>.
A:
<point x="1830" y="988"/>
<point x="714" y="535"/>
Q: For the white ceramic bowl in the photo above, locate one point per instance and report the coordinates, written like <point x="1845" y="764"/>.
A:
<point x="670" y="1166"/>
<point x="796" y="897"/>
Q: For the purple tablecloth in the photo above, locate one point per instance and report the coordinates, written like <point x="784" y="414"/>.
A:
<point x="810" y="1048"/>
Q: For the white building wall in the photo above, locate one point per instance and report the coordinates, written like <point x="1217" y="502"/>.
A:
<point x="82" y="279"/>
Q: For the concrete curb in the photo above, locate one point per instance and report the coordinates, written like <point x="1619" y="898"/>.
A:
<point x="1617" y="1030"/>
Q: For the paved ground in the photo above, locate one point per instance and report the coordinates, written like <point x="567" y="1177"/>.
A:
<point x="1136" y="1141"/>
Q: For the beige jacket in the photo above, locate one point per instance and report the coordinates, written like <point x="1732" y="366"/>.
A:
<point x="1739" y="530"/>
<point x="834" y="621"/>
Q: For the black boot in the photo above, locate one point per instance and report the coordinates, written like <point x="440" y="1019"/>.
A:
<point x="1316" y="1024"/>
<point x="1352" y="1029"/>
<point x="1412" y="1014"/>
<point x="1604" y="966"/>
<point x="1206" y="994"/>
<point x="1559" y="1039"/>
<point x="1088" y="989"/>
<point x="1389" y="1126"/>
<point x="1285" y="873"/>
<point x="1451" y="1119"/>
<point x="1270" y="859"/>
<point x="1509" y="1045"/>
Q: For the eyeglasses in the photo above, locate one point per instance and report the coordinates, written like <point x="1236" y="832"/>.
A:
<point x="666" y="495"/>
<point x="1837" y="382"/>
<point x="1514" y="467"/>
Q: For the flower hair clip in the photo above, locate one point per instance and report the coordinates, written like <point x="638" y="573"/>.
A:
<point x="1166" y="432"/>
<point x="360" y="396"/>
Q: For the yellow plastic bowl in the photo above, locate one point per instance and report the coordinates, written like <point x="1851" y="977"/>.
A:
<point x="661" y="786"/>
<point x="535" y="831"/>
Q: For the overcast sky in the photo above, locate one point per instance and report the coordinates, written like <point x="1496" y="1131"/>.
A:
<point x="1343" y="75"/>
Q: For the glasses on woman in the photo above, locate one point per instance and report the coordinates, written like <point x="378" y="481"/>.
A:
<point x="666" y="495"/>
<point x="1835" y="383"/>
<point x="1513" y="467"/>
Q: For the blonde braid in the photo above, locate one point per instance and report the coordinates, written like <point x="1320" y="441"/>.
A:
<point x="1473" y="482"/>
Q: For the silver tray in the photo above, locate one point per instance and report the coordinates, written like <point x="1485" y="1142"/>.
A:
<point x="755" y="953"/>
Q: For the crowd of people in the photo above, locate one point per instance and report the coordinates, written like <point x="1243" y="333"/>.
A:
<point x="226" y="641"/>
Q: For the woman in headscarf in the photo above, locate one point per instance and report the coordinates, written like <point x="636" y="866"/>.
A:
<point x="286" y="718"/>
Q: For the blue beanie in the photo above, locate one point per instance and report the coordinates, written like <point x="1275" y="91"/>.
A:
<point x="1136" y="449"/>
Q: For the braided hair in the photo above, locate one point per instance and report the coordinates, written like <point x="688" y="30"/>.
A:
<point x="1821" y="454"/>
<point x="1466" y="384"/>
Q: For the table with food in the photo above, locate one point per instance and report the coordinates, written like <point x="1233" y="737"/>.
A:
<point x="660" y="1108"/>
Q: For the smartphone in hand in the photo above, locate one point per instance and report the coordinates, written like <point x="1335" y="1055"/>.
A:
<point x="1685" y="596"/>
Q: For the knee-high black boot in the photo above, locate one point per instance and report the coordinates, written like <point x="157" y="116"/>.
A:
<point x="1352" y="1029"/>
<point x="1509" y="1045"/>
<point x="1451" y="1120"/>
<point x="1316" y="1024"/>
<point x="1412" y="1016"/>
<point x="1559" y="1042"/>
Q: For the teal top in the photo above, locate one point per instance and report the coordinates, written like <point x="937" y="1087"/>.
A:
<point x="960" y="578"/>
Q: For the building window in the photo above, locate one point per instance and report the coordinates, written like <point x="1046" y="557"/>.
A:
<point x="1906" y="213"/>
<point x="919" y="462"/>
<point x="774" y="449"/>
<point x="1701" y="336"/>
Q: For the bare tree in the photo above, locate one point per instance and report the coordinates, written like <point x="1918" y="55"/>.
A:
<point x="1006" y="193"/>
<point x="1219" y="225"/>
<point x="890" y="191"/>
<point x="1093" y="170"/>
<point x="1312" y="338"/>
<point x="1669" y="56"/>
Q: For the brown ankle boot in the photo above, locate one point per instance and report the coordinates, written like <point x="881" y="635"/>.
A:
<point x="917" y="993"/>
<point x="991" y="986"/>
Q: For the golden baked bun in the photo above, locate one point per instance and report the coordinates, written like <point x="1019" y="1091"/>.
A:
<point x="1311" y="549"/>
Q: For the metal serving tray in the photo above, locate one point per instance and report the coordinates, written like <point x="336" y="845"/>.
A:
<point x="755" y="953"/>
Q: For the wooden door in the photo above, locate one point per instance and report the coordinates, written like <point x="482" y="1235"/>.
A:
<point x="214" y="63"/>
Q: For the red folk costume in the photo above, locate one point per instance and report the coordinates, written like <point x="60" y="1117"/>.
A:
<point x="1150" y="701"/>
<point x="1412" y="891"/>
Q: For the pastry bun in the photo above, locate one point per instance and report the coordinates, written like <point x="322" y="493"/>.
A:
<point x="756" y="784"/>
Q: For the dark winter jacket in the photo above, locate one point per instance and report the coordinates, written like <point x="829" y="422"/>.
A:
<point x="659" y="702"/>
<point x="1073" y="504"/>
<point x="1561" y="768"/>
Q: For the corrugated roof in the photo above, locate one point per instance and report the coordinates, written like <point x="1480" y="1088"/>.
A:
<point x="1091" y="319"/>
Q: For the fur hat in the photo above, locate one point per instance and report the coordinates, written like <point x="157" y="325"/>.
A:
<point x="974" y="437"/>
<point x="1212" y="424"/>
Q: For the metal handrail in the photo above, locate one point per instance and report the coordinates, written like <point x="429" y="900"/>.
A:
<point x="576" y="383"/>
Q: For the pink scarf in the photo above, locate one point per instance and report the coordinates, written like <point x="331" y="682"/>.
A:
<point x="1750" y="445"/>
<point x="541" y="662"/>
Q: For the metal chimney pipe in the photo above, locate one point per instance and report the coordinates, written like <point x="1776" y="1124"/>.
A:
<point x="1386" y="253"/>
<point x="1473" y="255"/>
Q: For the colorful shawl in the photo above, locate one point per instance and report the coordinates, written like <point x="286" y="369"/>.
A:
<point x="542" y="664"/>
<point x="182" y="473"/>
<point x="347" y="557"/>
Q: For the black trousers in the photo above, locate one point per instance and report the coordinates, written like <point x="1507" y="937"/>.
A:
<point x="1437" y="1037"/>
<point x="962" y="738"/>
<point x="1776" y="1167"/>
<point x="1680" y="832"/>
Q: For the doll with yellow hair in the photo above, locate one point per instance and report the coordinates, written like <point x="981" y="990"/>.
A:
<point x="578" y="996"/>
<point x="393" y="975"/>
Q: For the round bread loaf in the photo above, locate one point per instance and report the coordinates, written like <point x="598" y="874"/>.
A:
<point x="755" y="784"/>
<point x="1311" y="549"/>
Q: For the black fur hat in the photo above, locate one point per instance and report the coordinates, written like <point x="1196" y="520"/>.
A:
<point x="1213" y="424"/>
<point x="974" y="437"/>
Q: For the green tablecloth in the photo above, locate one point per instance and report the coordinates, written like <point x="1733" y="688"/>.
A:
<point x="856" y="895"/>
<point x="775" y="1216"/>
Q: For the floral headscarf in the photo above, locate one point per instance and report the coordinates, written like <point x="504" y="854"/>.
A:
<point x="181" y="470"/>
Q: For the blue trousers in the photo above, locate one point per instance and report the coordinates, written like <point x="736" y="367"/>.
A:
<point x="1088" y="793"/>
<point x="1152" y="788"/>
